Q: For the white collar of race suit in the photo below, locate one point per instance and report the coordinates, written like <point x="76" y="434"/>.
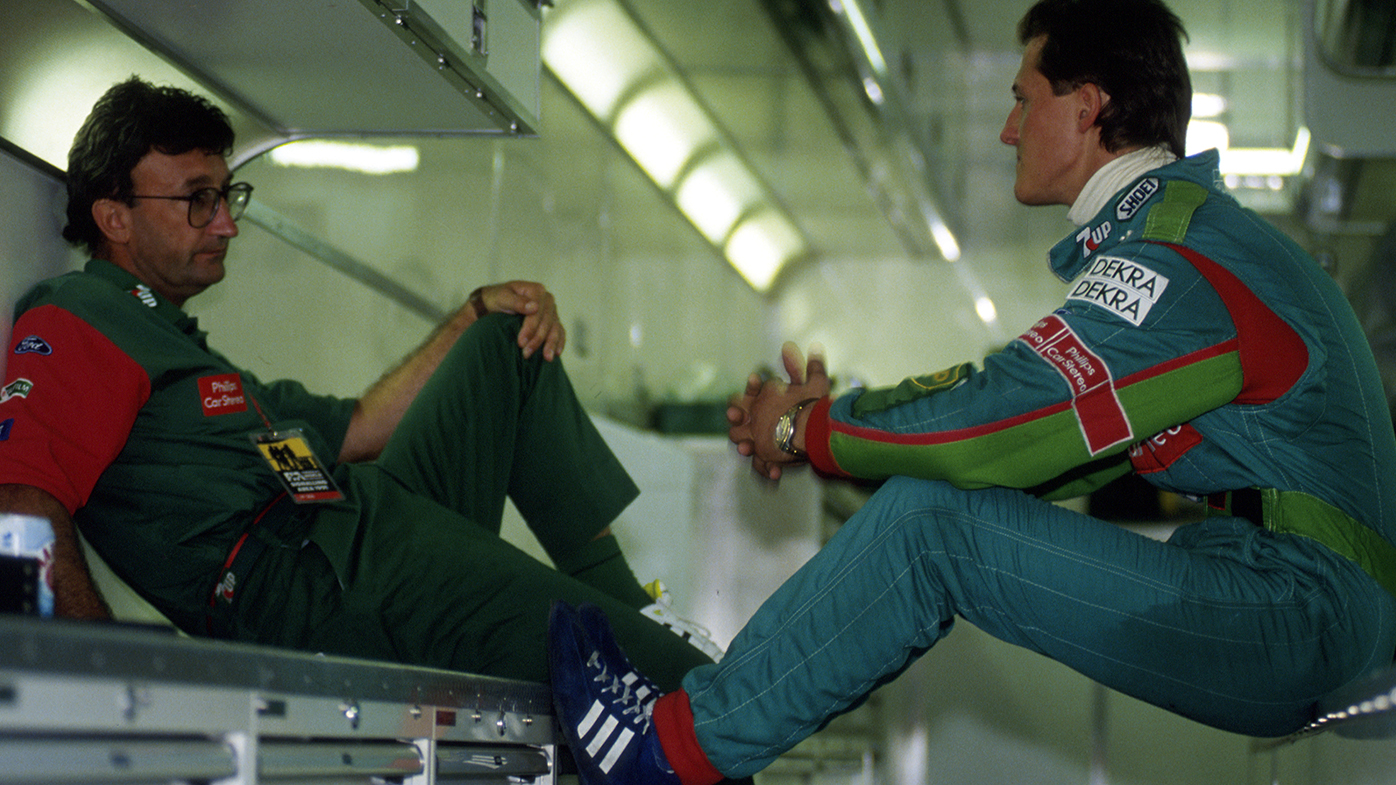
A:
<point x="1109" y="179"/>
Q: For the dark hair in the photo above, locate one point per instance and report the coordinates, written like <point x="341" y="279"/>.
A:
<point x="1132" y="50"/>
<point x="131" y="119"/>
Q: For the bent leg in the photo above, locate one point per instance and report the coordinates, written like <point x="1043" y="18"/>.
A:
<point x="1227" y="623"/>
<point x="428" y="587"/>
<point x="490" y="423"/>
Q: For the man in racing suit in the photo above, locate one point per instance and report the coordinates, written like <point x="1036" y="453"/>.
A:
<point x="1196" y="346"/>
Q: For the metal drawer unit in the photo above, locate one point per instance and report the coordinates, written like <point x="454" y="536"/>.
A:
<point x="110" y="703"/>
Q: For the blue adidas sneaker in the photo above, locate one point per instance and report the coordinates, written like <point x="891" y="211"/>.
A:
<point x="605" y="724"/>
<point x="611" y="660"/>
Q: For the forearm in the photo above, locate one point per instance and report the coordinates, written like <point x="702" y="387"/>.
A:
<point x="382" y="406"/>
<point x="74" y="594"/>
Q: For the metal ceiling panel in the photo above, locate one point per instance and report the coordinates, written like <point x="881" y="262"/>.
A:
<point x="341" y="67"/>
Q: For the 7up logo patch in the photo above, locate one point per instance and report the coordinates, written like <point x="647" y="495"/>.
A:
<point x="1091" y="238"/>
<point x="19" y="388"/>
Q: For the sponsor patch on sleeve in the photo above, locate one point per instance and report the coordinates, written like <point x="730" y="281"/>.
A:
<point x="19" y="388"/>
<point x="910" y="389"/>
<point x="33" y="345"/>
<point x="1123" y="287"/>
<point x="1098" y="409"/>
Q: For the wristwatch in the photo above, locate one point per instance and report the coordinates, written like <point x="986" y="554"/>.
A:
<point x="477" y="302"/>
<point x="785" y="430"/>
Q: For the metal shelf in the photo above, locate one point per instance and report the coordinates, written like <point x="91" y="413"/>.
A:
<point x="84" y="702"/>
<point x="352" y="67"/>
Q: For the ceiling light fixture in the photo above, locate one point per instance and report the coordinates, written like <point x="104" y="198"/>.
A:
<point x="619" y="74"/>
<point x="1207" y="105"/>
<point x="352" y="156"/>
<point x="896" y="170"/>
<point x="862" y="31"/>
<point x="1249" y="161"/>
<point x="986" y="310"/>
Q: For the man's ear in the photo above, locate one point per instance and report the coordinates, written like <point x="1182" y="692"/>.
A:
<point x="1091" y="102"/>
<point x="113" y="220"/>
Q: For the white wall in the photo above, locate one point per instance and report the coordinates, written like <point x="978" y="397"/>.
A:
<point x="31" y="218"/>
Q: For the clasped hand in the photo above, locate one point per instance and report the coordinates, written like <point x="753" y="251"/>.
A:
<point x="542" y="329"/>
<point x="753" y="414"/>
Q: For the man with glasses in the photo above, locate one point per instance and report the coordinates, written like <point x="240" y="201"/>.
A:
<point x="262" y="512"/>
<point x="203" y="203"/>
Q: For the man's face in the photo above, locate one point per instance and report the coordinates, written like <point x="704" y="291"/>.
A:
<point x="1045" y="129"/>
<point x="162" y="249"/>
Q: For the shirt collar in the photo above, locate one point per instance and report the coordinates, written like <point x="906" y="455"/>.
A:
<point x="1109" y="179"/>
<point x="132" y="286"/>
<point x="1067" y="258"/>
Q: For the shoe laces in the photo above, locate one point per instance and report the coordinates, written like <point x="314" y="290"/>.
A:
<point x="628" y="701"/>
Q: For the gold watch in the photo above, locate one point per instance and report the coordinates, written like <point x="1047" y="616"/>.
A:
<point x="785" y="430"/>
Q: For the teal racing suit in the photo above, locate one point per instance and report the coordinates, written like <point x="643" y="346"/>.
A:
<point x="1198" y="347"/>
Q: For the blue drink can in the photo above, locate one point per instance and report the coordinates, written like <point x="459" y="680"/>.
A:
<point x="31" y="537"/>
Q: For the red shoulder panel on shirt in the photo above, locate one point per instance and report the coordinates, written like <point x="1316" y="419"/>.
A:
<point x="71" y="397"/>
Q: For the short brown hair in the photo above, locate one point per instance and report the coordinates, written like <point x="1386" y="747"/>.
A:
<point x="1132" y="50"/>
<point x="127" y="122"/>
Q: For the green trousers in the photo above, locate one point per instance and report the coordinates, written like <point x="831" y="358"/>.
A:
<point x="411" y="567"/>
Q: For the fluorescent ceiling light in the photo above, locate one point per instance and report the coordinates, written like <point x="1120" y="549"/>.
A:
<point x="607" y="61"/>
<point x="598" y="51"/>
<point x="353" y="156"/>
<point x="760" y="246"/>
<point x="874" y="91"/>
<point x="1205" y="105"/>
<point x="944" y="238"/>
<point x="863" y="32"/>
<point x="988" y="314"/>
<point x="662" y="128"/>
<point x="715" y="193"/>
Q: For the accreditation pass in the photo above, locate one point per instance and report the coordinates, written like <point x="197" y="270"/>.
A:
<point x="289" y="455"/>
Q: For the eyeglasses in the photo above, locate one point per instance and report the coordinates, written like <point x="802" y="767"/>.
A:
<point x="203" y="203"/>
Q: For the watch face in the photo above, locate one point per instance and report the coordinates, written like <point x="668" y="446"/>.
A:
<point x="785" y="429"/>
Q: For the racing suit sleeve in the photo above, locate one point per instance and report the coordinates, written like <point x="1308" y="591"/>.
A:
<point x="70" y="399"/>
<point x="1056" y="410"/>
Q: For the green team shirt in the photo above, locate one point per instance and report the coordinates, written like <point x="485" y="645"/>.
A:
<point x="115" y="404"/>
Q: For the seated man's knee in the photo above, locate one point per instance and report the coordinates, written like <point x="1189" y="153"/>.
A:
<point x="492" y="325"/>
<point x="492" y="333"/>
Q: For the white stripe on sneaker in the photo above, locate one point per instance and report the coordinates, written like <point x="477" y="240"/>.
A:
<point x="617" y="750"/>
<point x="592" y="715"/>
<point x="602" y="736"/>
